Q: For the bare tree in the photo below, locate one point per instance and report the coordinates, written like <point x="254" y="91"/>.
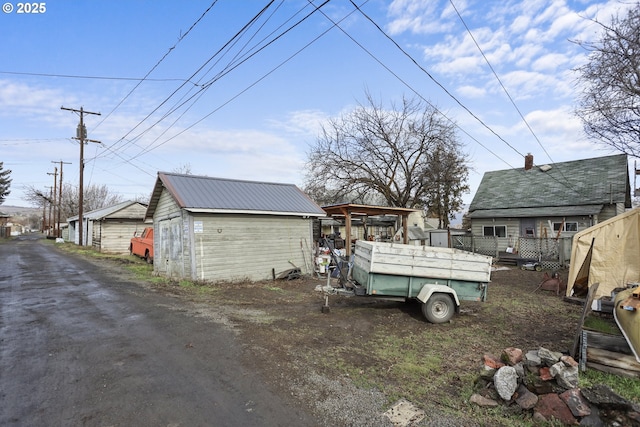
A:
<point x="407" y="156"/>
<point x="609" y="105"/>
<point x="184" y="168"/>
<point x="94" y="197"/>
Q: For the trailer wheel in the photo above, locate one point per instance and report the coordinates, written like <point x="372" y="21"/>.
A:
<point x="439" y="308"/>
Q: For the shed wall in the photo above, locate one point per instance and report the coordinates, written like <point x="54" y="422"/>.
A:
<point x="168" y="238"/>
<point x="114" y="237"/>
<point x="237" y="247"/>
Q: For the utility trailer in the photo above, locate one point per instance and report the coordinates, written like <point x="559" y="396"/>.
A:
<point x="437" y="277"/>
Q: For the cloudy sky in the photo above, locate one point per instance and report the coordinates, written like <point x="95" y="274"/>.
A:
<point x="239" y="89"/>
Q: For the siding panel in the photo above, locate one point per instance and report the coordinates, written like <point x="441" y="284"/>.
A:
<point x="239" y="247"/>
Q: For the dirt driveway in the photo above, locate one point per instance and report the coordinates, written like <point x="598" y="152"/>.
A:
<point x="375" y="352"/>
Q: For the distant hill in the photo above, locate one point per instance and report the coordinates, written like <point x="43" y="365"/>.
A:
<point x="19" y="210"/>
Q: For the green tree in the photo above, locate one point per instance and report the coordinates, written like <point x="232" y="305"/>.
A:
<point x="405" y="156"/>
<point x="609" y="104"/>
<point x="5" y="183"/>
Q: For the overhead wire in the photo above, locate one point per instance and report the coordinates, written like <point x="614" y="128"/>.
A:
<point x="451" y="95"/>
<point x="246" y="58"/>
<point x="74" y="76"/>
<point x="502" y="85"/>
<point x="203" y="87"/>
<point x="401" y="80"/>
<point x="127" y="142"/>
<point x="146" y="77"/>
<point x="515" y="106"/>
<point x="182" y="37"/>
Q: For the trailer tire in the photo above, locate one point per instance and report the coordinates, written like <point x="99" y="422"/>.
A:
<point x="439" y="308"/>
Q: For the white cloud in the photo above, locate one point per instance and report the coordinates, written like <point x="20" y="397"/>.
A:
<point x="416" y="16"/>
<point x="472" y="91"/>
<point x="550" y="62"/>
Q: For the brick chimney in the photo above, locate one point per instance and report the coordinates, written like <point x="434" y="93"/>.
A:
<point x="528" y="161"/>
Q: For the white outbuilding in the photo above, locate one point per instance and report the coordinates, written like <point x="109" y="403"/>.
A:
<point x="219" y="229"/>
<point x="109" y="229"/>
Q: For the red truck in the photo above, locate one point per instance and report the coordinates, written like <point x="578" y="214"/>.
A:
<point x="142" y="245"/>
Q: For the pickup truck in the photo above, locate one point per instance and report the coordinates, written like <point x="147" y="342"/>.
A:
<point x="142" y="245"/>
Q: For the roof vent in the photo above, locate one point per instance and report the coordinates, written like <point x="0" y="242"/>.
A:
<point x="545" y="168"/>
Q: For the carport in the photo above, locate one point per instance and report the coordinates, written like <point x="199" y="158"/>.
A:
<point x="350" y="210"/>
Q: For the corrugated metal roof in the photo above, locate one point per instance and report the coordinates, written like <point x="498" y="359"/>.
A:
<point x="105" y="212"/>
<point x="597" y="181"/>
<point x="201" y="193"/>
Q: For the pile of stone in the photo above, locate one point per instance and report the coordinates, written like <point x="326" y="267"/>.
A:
<point x="544" y="385"/>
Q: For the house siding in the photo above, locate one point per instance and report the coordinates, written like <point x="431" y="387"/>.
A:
<point x="512" y="230"/>
<point x="248" y="247"/>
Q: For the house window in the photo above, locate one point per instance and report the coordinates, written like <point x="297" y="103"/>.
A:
<point x="494" y="230"/>
<point x="566" y="226"/>
<point x="529" y="232"/>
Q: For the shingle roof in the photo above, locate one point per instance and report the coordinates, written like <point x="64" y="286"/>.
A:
<point x="596" y="181"/>
<point x="201" y="193"/>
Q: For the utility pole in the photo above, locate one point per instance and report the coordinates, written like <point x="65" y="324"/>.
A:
<point x="49" y="217"/>
<point x="81" y="135"/>
<point x="60" y="195"/>
<point x="55" y="187"/>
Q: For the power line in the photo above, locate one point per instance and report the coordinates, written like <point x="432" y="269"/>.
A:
<point x="500" y="81"/>
<point x="504" y="88"/>
<point x="434" y="79"/>
<point x="145" y="78"/>
<point x="562" y="182"/>
<point x="192" y="76"/>
<point x="227" y="70"/>
<point x="408" y="85"/>
<point x="72" y="76"/>
<point x="248" y="87"/>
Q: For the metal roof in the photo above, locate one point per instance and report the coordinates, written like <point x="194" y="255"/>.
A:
<point x="105" y="212"/>
<point x="206" y="194"/>
<point x="597" y="181"/>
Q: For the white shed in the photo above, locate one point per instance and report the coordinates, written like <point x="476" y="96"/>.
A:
<point x="224" y="230"/>
<point x="109" y="229"/>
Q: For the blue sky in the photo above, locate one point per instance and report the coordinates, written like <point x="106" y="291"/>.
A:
<point x="244" y="108"/>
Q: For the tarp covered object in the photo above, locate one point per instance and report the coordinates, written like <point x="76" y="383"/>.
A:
<point x="607" y="253"/>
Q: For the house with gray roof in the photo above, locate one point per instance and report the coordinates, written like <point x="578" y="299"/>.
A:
<point x="551" y="200"/>
<point x="225" y="230"/>
<point x="109" y="229"/>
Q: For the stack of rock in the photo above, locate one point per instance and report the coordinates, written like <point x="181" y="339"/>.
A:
<point x="544" y="384"/>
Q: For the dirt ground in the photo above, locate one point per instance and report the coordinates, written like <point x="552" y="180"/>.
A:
<point x="387" y="345"/>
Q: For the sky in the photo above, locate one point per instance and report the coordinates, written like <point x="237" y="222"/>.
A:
<point x="239" y="89"/>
